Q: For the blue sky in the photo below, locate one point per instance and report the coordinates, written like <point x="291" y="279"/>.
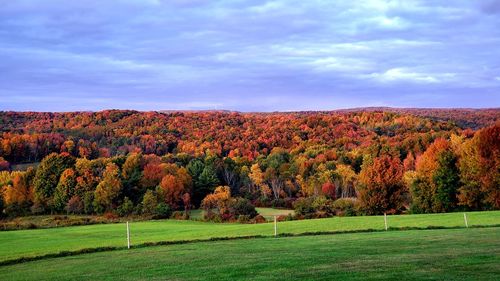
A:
<point x="248" y="55"/>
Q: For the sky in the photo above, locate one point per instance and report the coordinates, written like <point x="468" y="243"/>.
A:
<point x="248" y="55"/>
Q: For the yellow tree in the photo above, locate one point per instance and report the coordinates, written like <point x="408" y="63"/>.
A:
<point x="108" y="189"/>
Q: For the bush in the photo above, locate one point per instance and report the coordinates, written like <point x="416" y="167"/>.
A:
<point x="110" y="216"/>
<point x="17" y="209"/>
<point x="259" y="219"/>
<point x="303" y="206"/>
<point x="162" y="211"/>
<point x="243" y="219"/>
<point x="75" y="205"/>
<point x="126" y="208"/>
<point x="314" y="207"/>
<point x="178" y="215"/>
<point x="149" y="203"/>
<point x="241" y="206"/>
<point x="346" y="206"/>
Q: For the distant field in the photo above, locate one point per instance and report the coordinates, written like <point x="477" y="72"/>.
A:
<point x="267" y="213"/>
<point x="451" y="254"/>
<point x="25" y="243"/>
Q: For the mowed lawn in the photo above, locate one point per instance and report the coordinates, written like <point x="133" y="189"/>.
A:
<point x="441" y="254"/>
<point x="25" y="243"/>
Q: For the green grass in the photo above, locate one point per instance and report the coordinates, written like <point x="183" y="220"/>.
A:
<point x="451" y="254"/>
<point x="26" y="243"/>
<point x="269" y="213"/>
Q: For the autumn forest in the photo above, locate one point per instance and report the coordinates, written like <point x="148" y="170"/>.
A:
<point x="349" y="162"/>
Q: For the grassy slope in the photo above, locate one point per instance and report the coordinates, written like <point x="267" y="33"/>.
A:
<point x="453" y="254"/>
<point x="14" y="244"/>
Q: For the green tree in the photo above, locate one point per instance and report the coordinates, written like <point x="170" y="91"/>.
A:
<point x="132" y="174"/>
<point x="149" y="203"/>
<point x="447" y="181"/>
<point x="64" y="189"/>
<point x="47" y="176"/>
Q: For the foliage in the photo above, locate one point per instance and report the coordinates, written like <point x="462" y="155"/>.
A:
<point x="383" y="188"/>
<point x="270" y="159"/>
<point x="149" y="203"/>
<point x="108" y="189"/>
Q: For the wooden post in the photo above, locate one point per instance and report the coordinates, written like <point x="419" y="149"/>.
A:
<point x="465" y="219"/>
<point x="275" y="227"/>
<point x="128" y="237"/>
<point x="385" y="220"/>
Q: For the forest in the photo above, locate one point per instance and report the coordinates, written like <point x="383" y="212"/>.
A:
<point x="161" y="164"/>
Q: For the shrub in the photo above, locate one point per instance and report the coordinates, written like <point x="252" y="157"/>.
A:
<point x="241" y="206"/>
<point x="126" y="208"/>
<point x="110" y="216"/>
<point x="303" y="206"/>
<point x="243" y="218"/>
<point x="259" y="219"/>
<point x="314" y="207"/>
<point x="149" y="203"/>
<point x="345" y="206"/>
<point x="74" y="205"/>
<point x="162" y="211"/>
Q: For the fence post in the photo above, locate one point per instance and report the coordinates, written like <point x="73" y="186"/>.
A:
<point x="128" y="236"/>
<point x="465" y="219"/>
<point x="385" y="221"/>
<point x="275" y="227"/>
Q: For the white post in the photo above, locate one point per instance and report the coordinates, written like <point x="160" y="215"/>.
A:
<point x="275" y="227"/>
<point x="385" y="220"/>
<point x="128" y="237"/>
<point x="465" y="219"/>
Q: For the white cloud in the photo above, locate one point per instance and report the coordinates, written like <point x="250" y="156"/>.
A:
<point x="406" y="74"/>
<point x="340" y="64"/>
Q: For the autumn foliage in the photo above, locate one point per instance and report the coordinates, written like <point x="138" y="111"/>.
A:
<point x="368" y="161"/>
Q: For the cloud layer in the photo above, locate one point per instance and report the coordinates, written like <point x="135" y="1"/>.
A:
<point x="248" y="55"/>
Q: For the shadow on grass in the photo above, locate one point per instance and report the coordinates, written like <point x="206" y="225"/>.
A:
<point x="177" y="242"/>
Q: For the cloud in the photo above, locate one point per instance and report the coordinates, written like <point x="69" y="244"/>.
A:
<point x="405" y="74"/>
<point x="247" y="55"/>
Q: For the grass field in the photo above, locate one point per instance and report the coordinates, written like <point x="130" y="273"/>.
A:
<point x="267" y="213"/>
<point x="444" y="254"/>
<point x="26" y="243"/>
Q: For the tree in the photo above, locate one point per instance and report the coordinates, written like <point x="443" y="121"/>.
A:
<point x="19" y="192"/>
<point x="65" y="189"/>
<point x="205" y="184"/>
<point x="4" y="164"/>
<point x="383" y="188"/>
<point x="258" y="181"/>
<point x="447" y="180"/>
<point x="75" y="205"/>
<point x="152" y="175"/>
<point x="329" y="190"/>
<point x="424" y="188"/>
<point x="132" y="174"/>
<point x="171" y="190"/>
<point x="149" y="203"/>
<point x="488" y="146"/>
<point x="47" y="176"/>
<point x="218" y="200"/>
<point x="108" y="189"/>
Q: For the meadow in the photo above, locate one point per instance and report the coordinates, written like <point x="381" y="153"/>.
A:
<point x="36" y="242"/>
<point x="439" y="254"/>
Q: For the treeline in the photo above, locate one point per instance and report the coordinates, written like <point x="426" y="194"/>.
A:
<point x="362" y="173"/>
<point x="28" y="137"/>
